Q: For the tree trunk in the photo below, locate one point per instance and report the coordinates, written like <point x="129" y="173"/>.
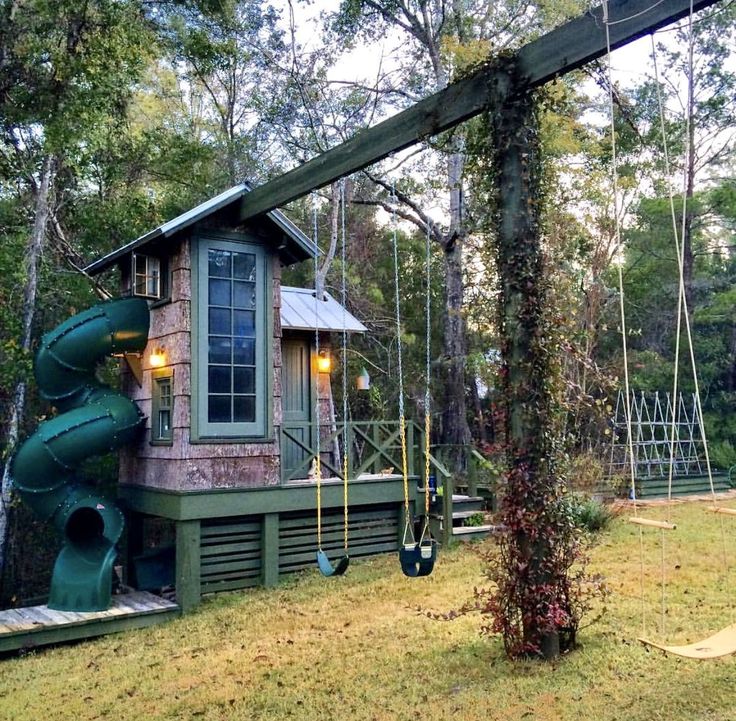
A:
<point x="533" y="490"/>
<point x="34" y="252"/>
<point x="455" y="429"/>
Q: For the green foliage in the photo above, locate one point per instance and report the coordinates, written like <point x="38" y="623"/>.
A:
<point x="590" y="514"/>
<point x="477" y="519"/>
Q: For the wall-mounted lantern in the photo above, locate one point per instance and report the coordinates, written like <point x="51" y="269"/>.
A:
<point x="157" y="359"/>
<point x="363" y="381"/>
<point x="324" y="362"/>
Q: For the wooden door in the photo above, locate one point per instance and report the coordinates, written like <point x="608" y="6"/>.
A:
<point x="297" y="405"/>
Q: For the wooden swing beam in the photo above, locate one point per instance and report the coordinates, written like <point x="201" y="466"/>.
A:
<point x="566" y="48"/>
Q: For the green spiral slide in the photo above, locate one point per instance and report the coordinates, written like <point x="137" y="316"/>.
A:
<point x="93" y="420"/>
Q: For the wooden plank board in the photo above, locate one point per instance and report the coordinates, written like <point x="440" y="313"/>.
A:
<point x="18" y="620"/>
<point x="566" y="48"/>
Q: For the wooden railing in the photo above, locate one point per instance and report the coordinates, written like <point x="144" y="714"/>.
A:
<point x="374" y="447"/>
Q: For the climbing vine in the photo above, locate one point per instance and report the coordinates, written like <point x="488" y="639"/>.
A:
<point x="540" y="588"/>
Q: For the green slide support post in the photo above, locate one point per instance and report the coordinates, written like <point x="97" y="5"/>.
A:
<point x="93" y="420"/>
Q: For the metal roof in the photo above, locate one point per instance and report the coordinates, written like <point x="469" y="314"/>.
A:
<point x="298" y="312"/>
<point x="304" y="246"/>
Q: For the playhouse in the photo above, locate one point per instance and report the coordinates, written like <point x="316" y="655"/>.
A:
<point x="228" y="382"/>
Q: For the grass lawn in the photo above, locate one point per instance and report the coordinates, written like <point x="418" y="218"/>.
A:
<point x="356" y="648"/>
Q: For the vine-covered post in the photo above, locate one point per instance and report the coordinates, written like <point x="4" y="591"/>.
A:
<point x="532" y="608"/>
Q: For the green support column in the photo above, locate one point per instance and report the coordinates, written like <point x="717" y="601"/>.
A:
<point x="188" y="587"/>
<point x="270" y="549"/>
<point x="134" y="542"/>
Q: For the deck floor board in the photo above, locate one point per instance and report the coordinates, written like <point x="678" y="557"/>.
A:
<point x="39" y="625"/>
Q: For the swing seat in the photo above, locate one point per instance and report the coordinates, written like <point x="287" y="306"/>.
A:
<point x="417" y="559"/>
<point x="326" y="568"/>
<point x="718" y="645"/>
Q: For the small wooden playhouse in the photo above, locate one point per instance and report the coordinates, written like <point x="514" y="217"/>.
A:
<point x="229" y="383"/>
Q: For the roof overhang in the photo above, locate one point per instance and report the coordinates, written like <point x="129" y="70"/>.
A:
<point x="301" y="311"/>
<point x="297" y="245"/>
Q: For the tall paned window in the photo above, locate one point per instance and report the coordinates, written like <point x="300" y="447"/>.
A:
<point x="232" y="311"/>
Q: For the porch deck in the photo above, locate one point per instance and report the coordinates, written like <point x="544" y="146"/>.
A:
<point x="39" y="625"/>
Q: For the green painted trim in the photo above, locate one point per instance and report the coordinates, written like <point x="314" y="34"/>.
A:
<point x="221" y="503"/>
<point x="98" y="627"/>
<point x="188" y="583"/>
<point x="270" y="550"/>
<point x="157" y="375"/>
<point x="262" y="428"/>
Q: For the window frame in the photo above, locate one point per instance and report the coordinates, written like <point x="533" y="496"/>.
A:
<point x="261" y="429"/>
<point x="163" y="280"/>
<point x="158" y="378"/>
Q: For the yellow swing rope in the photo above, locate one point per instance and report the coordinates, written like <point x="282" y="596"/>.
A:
<point x="317" y="457"/>
<point x="427" y="395"/>
<point x="408" y="529"/>
<point x="345" y="464"/>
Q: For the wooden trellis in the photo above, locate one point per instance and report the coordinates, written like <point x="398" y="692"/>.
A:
<point x="653" y="432"/>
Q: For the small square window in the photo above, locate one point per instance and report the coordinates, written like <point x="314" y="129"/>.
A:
<point x="162" y="408"/>
<point x="147" y="277"/>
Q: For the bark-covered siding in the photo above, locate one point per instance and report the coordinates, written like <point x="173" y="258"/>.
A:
<point x="186" y="465"/>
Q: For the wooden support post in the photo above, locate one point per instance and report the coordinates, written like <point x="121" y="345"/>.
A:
<point x="134" y="543"/>
<point x="188" y="585"/>
<point x="410" y="447"/>
<point x="376" y="429"/>
<point x="472" y="474"/>
<point x="448" y="490"/>
<point x="270" y="549"/>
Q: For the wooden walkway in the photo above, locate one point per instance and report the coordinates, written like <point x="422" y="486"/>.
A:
<point x="39" y="625"/>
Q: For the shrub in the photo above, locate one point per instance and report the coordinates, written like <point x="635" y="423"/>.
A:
<point x="591" y="515"/>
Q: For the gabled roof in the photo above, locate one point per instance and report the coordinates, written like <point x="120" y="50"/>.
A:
<point x="298" y="312"/>
<point x="301" y="248"/>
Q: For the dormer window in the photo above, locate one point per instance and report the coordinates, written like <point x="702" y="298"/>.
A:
<point x="147" y="278"/>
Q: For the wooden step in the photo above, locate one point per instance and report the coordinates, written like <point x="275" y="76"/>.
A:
<point x="472" y="533"/>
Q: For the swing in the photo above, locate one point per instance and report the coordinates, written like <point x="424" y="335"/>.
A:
<point x="417" y="557"/>
<point x="323" y="562"/>
<point x="723" y="642"/>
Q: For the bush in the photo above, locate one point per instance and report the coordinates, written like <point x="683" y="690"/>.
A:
<point x="722" y="455"/>
<point x="591" y="515"/>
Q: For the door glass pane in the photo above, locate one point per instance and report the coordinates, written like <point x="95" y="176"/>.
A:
<point x="219" y="292"/>
<point x="219" y="263"/>
<point x="219" y="379"/>
<point x="220" y="321"/>
<point x="244" y="323"/>
<point x="220" y="350"/>
<point x="219" y="409"/>
<point x="244" y="295"/>
<point x="244" y="266"/>
<point x="244" y="351"/>
<point x="245" y="409"/>
<point x="244" y="380"/>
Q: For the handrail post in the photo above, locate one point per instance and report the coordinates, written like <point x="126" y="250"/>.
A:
<point x="410" y="446"/>
<point x="377" y="443"/>
<point x="282" y="467"/>
<point x="447" y="493"/>
<point x="348" y="441"/>
<point x="472" y="475"/>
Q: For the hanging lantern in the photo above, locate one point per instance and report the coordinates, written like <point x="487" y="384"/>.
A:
<point x="363" y="381"/>
<point x="157" y="359"/>
<point x="324" y="362"/>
